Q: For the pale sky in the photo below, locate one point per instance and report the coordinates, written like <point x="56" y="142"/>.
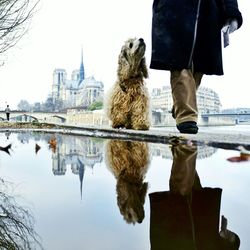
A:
<point x="60" y="28"/>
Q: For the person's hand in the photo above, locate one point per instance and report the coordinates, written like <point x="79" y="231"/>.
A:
<point x="233" y="25"/>
<point x="230" y="26"/>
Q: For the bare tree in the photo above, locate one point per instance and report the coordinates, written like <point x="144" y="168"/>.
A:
<point x="14" y="21"/>
<point x="16" y="223"/>
<point x="24" y="105"/>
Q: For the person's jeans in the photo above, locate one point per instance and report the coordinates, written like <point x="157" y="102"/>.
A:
<point x="184" y="85"/>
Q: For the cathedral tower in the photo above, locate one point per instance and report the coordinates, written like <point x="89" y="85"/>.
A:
<point x="59" y="79"/>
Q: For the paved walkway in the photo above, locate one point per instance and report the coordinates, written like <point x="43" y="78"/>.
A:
<point x="212" y="136"/>
<point x="229" y="138"/>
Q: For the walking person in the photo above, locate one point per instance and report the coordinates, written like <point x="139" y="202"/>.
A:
<point x="186" y="40"/>
<point x="7" y="112"/>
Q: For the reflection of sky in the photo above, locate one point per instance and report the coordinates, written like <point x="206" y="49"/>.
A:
<point x="64" y="221"/>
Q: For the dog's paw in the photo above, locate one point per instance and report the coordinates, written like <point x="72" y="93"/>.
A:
<point x="119" y="126"/>
<point x="128" y="126"/>
<point x="141" y="127"/>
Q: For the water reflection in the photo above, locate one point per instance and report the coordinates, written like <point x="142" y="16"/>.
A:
<point x="187" y="216"/>
<point x="77" y="153"/>
<point x="6" y="149"/>
<point x="16" y="222"/>
<point x="72" y="152"/>
<point x="164" y="151"/>
<point x="7" y="134"/>
<point x="129" y="161"/>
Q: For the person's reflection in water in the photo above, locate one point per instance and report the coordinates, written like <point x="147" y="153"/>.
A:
<point x="187" y="217"/>
<point x="129" y="161"/>
<point x="7" y="134"/>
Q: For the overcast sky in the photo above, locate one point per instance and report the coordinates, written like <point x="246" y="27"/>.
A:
<point x="61" y="28"/>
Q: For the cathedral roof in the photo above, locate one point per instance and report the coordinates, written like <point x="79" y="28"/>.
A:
<point x="72" y="84"/>
<point x="91" y="82"/>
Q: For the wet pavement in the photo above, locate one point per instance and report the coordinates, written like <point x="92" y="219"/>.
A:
<point x="74" y="191"/>
<point x="229" y="138"/>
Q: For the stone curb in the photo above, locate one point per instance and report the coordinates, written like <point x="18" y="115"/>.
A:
<point x="218" y="139"/>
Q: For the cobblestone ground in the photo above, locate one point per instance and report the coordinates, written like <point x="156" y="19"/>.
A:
<point x="28" y="125"/>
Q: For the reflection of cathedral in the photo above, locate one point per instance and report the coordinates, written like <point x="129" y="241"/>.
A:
<point x="72" y="152"/>
<point x="76" y="153"/>
<point x="76" y="92"/>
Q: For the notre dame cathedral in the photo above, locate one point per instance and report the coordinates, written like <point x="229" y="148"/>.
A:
<point x="77" y="92"/>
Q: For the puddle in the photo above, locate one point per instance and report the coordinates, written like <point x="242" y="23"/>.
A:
<point x="91" y="193"/>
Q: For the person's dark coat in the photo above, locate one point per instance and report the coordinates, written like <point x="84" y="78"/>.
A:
<point x="187" y="33"/>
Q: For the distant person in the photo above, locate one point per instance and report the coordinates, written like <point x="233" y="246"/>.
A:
<point x="186" y="40"/>
<point x="7" y="112"/>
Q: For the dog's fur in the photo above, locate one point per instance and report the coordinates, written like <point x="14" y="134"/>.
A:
<point x="128" y="161"/>
<point x="127" y="105"/>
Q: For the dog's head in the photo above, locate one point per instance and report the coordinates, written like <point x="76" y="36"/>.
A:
<point x="131" y="198"/>
<point x="132" y="61"/>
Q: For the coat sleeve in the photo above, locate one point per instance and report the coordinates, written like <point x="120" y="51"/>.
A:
<point x="231" y="11"/>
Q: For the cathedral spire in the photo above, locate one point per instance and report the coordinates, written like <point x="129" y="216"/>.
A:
<point x="81" y="174"/>
<point x="81" y="71"/>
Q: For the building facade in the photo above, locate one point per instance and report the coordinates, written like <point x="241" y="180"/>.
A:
<point x="207" y="100"/>
<point x="78" y="91"/>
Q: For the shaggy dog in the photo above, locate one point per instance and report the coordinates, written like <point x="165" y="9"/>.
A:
<point x="128" y="102"/>
<point x="129" y="161"/>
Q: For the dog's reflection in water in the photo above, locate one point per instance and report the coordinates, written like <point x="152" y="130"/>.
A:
<point x="129" y="161"/>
